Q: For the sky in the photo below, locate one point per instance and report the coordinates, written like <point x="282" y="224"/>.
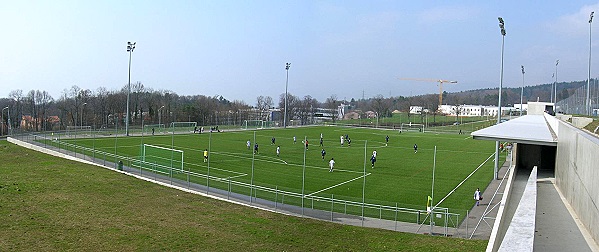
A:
<point x="238" y="49"/>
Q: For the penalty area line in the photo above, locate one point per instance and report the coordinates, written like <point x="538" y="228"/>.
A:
<point x="333" y="186"/>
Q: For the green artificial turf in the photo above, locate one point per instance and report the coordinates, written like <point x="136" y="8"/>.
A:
<point x="52" y="204"/>
<point x="400" y="177"/>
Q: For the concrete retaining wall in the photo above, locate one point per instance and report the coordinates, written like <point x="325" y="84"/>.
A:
<point x="521" y="233"/>
<point x="581" y="122"/>
<point x="577" y="174"/>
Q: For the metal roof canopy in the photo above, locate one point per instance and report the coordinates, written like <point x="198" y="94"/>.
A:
<point x="528" y="129"/>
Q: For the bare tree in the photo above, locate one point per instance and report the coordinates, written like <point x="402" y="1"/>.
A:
<point x="292" y="105"/>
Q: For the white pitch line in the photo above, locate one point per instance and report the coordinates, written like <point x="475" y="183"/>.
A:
<point x="333" y="186"/>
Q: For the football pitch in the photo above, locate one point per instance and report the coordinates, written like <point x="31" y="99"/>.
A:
<point x="400" y="177"/>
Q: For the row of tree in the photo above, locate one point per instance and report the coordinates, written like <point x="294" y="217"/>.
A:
<point x="103" y="108"/>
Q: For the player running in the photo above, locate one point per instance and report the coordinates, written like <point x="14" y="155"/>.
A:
<point x="331" y="164"/>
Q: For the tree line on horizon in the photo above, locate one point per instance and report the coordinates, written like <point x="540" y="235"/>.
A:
<point x="105" y="108"/>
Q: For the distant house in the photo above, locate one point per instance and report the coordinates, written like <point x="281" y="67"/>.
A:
<point x="396" y="112"/>
<point x="415" y="109"/>
<point x="351" y="115"/>
<point x="370" y="114"/>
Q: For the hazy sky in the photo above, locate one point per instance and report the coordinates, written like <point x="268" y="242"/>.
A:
<point x="238" y="49"/>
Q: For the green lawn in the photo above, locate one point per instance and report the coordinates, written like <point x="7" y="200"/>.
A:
<point x="400" y="177"/>
<point x="52" y="204"/>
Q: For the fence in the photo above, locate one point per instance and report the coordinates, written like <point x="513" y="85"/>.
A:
<point x="576" y="103"/>
<point x="335" y="208"/>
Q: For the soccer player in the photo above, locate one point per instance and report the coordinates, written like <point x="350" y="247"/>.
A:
<point x="152" y="131"/>
<point x="256" y="148"/>
<point x="373" y="160"/>
<point x="272" y="141"/>
<point x="321" y="142"/>
<point x="248" y="144"/>
<point x="387" y="140"/>
<point x="323" y="153"/>
<point x="294" y="140"/>
<point x="205" y="155"/>
<point x="477" y="196"/>
<point x="374" y="153"/>
<point x="306" y="144"/>
<point x="341" y="140"/>
<point x="331" y="164"/>
<point x="415" y="148"/>
<point x="278" y="150"/>
<point x="349" y="142"/>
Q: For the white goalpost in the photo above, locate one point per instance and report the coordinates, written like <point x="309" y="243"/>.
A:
<point x="412" y="127"/>
<point x="73" y="131"/>
<point x="183" y="127"/>
<point x="161" y="159"/>
<point x="157" y="128"/>
<point x="257" y="124"/>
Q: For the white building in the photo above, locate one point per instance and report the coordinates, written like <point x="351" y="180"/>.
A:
<point x="472" y="110"/>
<point x="418" y="110"/>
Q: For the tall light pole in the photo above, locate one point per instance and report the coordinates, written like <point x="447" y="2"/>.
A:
<point x="555" y="84"/>
<point x="502" y="28"/>
<point x="82" y="108"/>
<point x="130" y="48"/>
<point x="2" y="123"/>
<point x="159" y="116"/>
<point x="522" y="90"/>
<point x="588" y="102"/>
<point x="287" y="66"/>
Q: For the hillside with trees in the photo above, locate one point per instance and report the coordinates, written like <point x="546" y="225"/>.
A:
<point x="103" y="108"/>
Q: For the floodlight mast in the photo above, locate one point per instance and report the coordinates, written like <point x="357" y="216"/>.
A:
<point x="522" y="90"/>
<point x="588" y="100"/>
<point x="502" y="28"/>
<point x="2" y="122"/>
<point x="287" y="66"/>
<point x="555" y="84"/>
<point x="160" y="116"/>
<point x="82" y="108"/>
<point x="130" y="48"/>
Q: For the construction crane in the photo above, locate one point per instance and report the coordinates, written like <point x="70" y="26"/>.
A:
<point x="434" y="80"/>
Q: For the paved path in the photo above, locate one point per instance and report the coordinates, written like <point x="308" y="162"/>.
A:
<point x="555" y="228"/>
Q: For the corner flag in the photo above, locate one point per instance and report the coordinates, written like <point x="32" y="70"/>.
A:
<point x="428" y="204"/>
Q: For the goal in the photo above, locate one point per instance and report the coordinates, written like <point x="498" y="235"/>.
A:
<point x="258" y="124"/>
<point x="161" y="159"/>
<point x="158" y="129"/>
<point x="79" y="131"/>
<point x="186" y="127"/>
<point x="412" y="127"/>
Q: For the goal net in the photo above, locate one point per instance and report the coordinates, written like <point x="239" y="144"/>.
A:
<point x="79" y="131"/>
<point x="161" y="159"/>
<point x="252" y="124"/>
<point x="158" y="129"/>
<point x="180" y="127"/>
<point x="412" y="127"/>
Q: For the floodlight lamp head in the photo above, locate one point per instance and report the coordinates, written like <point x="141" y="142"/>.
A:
<point x="287" y="66"/>
<point x="591" y="17"/>
<point x="556" y="62"/>
<point x="522" y="69"/>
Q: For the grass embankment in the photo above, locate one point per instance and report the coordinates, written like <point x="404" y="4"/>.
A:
<point x="49" y="204"/>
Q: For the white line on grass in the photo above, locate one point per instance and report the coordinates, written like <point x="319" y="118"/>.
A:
<point x="333" y="186"/>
